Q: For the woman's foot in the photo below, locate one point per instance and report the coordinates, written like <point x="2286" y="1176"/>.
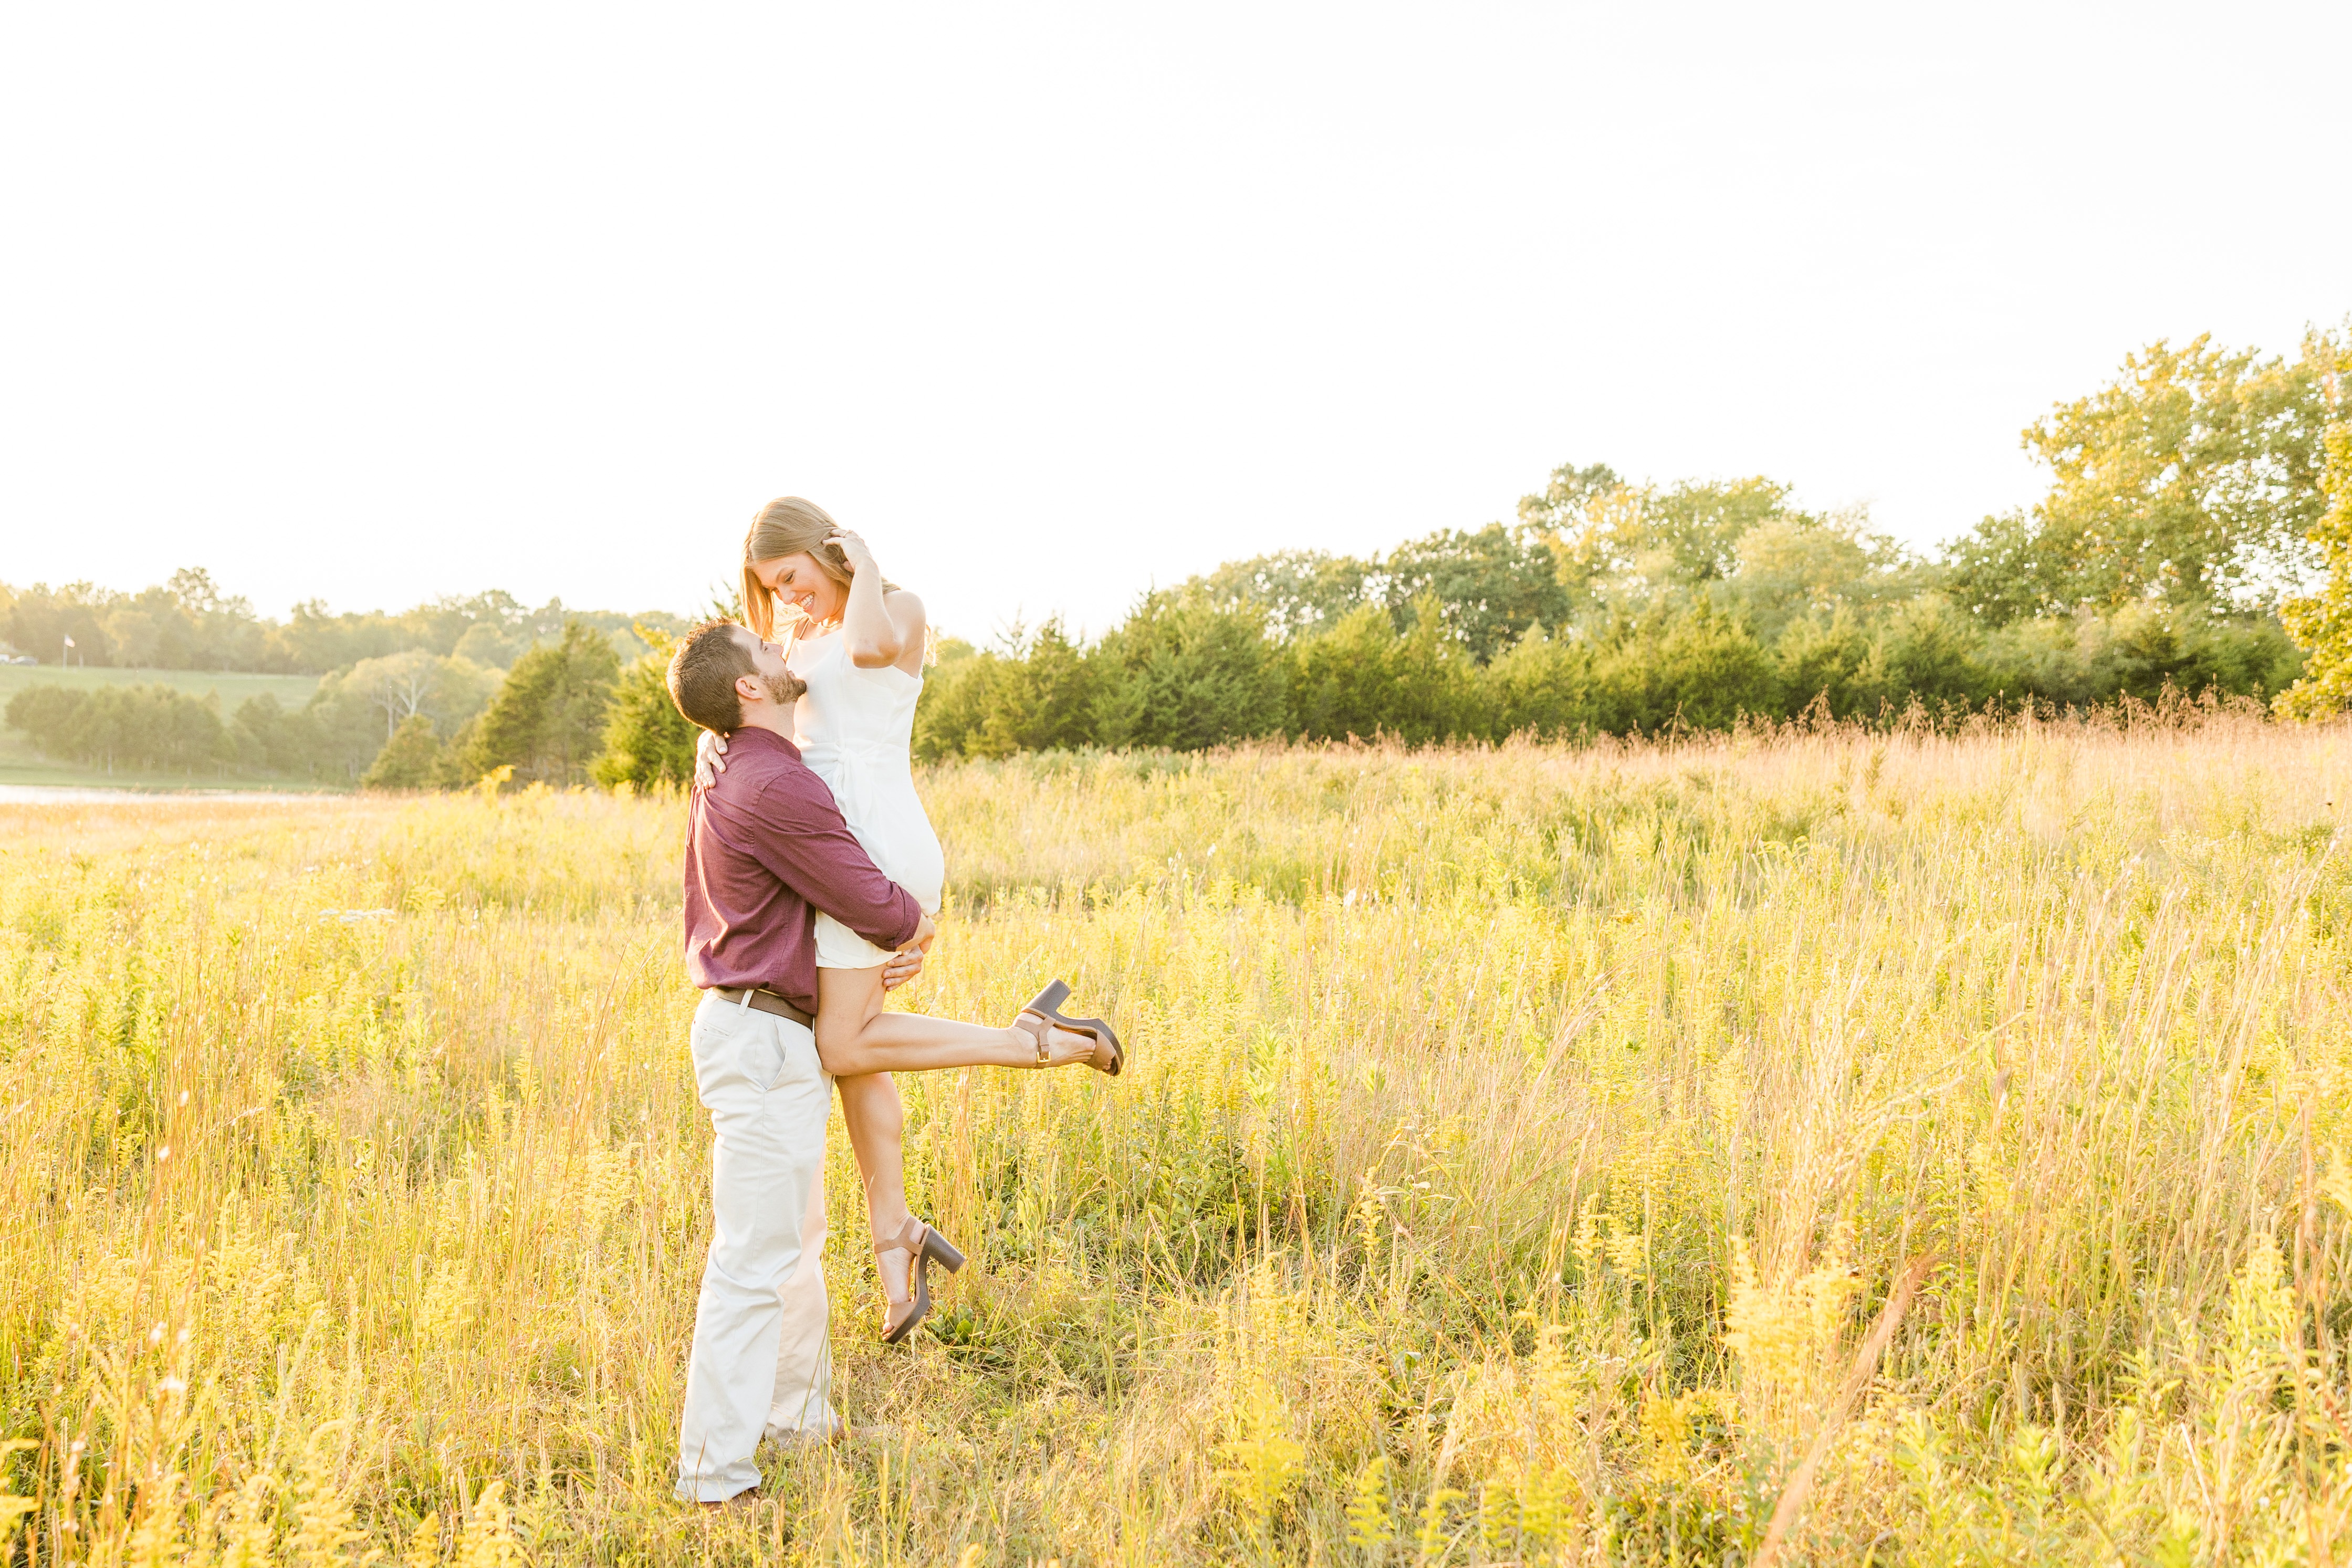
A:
<point x="1044" y="1011"/>
<point x="1055" y="1046"/>
<point x="919" y="1246"/>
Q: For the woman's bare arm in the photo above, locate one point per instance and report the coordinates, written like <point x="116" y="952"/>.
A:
<point x="880" y="627"/>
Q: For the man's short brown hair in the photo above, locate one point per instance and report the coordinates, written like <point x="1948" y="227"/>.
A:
<point x="703" y="671"/>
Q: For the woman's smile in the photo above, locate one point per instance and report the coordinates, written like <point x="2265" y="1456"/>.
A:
<point x="796" y="580"/>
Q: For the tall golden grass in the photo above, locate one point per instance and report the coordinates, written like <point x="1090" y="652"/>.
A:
<point x="1519" y="1148"/>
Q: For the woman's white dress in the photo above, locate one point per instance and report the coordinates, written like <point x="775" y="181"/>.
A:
<point x="855" y="730"/>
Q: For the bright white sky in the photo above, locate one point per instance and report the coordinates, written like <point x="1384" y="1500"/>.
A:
<point x="375" y="303"/>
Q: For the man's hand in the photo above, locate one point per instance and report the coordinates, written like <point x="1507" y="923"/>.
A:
<point x="709" y="758"/>
<point x="907" y="961"/>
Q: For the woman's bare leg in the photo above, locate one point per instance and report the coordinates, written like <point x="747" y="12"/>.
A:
<point x="853" y="1035"/>
<point x="861" y="1046"/>
<point x="877" y="1123"/>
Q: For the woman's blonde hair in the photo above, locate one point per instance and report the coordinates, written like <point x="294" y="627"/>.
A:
<point x="787" y="526"/>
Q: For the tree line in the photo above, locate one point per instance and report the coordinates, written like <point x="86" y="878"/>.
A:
<point x="403" y="697"/>
<point x="407" y="720"/>
<point x="2197" y="538"/>
<point x="189" y="623"/>
<point x="2188" y="504"/>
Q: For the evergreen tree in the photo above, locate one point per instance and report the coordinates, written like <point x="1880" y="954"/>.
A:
<point x="548" y="720"/>
<point x="1185" y="674"/>
<point x="647" y="742"/>
<point x="1695" y="668"/>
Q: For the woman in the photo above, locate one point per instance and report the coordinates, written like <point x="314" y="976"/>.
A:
<point x="860" y="644"/>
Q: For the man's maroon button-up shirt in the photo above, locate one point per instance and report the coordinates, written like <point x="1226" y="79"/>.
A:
<point x="765" y="849"/>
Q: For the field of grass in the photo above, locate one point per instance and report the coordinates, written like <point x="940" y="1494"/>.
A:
<point x="21" y="764"/>
<point x="1525" y="1156"/>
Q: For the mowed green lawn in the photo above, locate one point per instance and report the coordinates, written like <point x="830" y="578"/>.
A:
<point x="21" y="764"/>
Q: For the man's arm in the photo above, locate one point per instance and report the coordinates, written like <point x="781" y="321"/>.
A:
<point x="797" y="833"/>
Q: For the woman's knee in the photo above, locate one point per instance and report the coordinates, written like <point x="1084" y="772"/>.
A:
<point x="838" y="1048"/>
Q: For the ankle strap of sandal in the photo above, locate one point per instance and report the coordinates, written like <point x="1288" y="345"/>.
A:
<point x="909" y="1239"/>
<point x="1038" y="1030"/>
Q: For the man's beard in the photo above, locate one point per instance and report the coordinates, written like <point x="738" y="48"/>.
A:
<point x="783" y="689"/>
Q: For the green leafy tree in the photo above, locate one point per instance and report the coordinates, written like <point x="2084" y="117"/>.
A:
<point x="1301" y="592"/>
<point x="1565" y="502"/>
<point x="1792" y="565"/>
<point x="460" y="766"/>
<point x="1343" y="684"/>
<point x="1616" y="549"/>
<point x="2322" y="622"/>
<point x="266" y="738"/>
<point x="2192" y="479"/>
<point x="355" y="712"/>
<point x="1489" y="587"/>
<point x="2135" y="650"/>
<point x="1692" y="531"/>
<point x="548" y="720"/>
<point x="952" y="710"/>
<point x="41" y="618"/>
<point x="129" y="726"/>
<point x="409" y="759"/>
<point x="1043" y="700"/>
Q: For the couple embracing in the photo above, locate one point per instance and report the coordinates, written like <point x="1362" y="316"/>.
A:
<point x="812" y="875"/>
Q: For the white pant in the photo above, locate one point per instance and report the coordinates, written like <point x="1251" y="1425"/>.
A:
<point x="760" y="1360"/>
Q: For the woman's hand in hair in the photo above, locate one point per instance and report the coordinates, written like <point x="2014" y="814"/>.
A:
<point x="859" y="555"/>
<point x="880" y="625"/>
<point x="709" y="758"/>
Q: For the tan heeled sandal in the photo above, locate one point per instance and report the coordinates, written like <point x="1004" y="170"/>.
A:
<point x="923" y="1247"/>
<point x="1038" y="1019"/>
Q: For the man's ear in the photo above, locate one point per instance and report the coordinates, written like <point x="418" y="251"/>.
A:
<point x="748" y="688"/>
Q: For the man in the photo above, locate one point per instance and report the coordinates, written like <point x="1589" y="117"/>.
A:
<point x="766" y="849"/>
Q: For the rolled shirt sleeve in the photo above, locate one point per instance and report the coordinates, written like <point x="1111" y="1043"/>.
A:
<point x="799" y="836"/>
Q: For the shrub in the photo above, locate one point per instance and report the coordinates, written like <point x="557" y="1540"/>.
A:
<point x="1036" y="698"/>
<point x="1542" y="685"/>
<point x="1816" y="659"/>
<point x="1695" y="666"/>
<point x="1362" y="679"/>
<point x="1925" y="651"/>
<point x="1184" y="674"/>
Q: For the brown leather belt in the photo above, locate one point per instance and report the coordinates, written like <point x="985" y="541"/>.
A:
<point x="766" y="1001"/>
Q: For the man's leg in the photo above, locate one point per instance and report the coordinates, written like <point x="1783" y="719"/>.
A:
<point x="758" y="1076"/>
<point x="802" y="1406"/>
